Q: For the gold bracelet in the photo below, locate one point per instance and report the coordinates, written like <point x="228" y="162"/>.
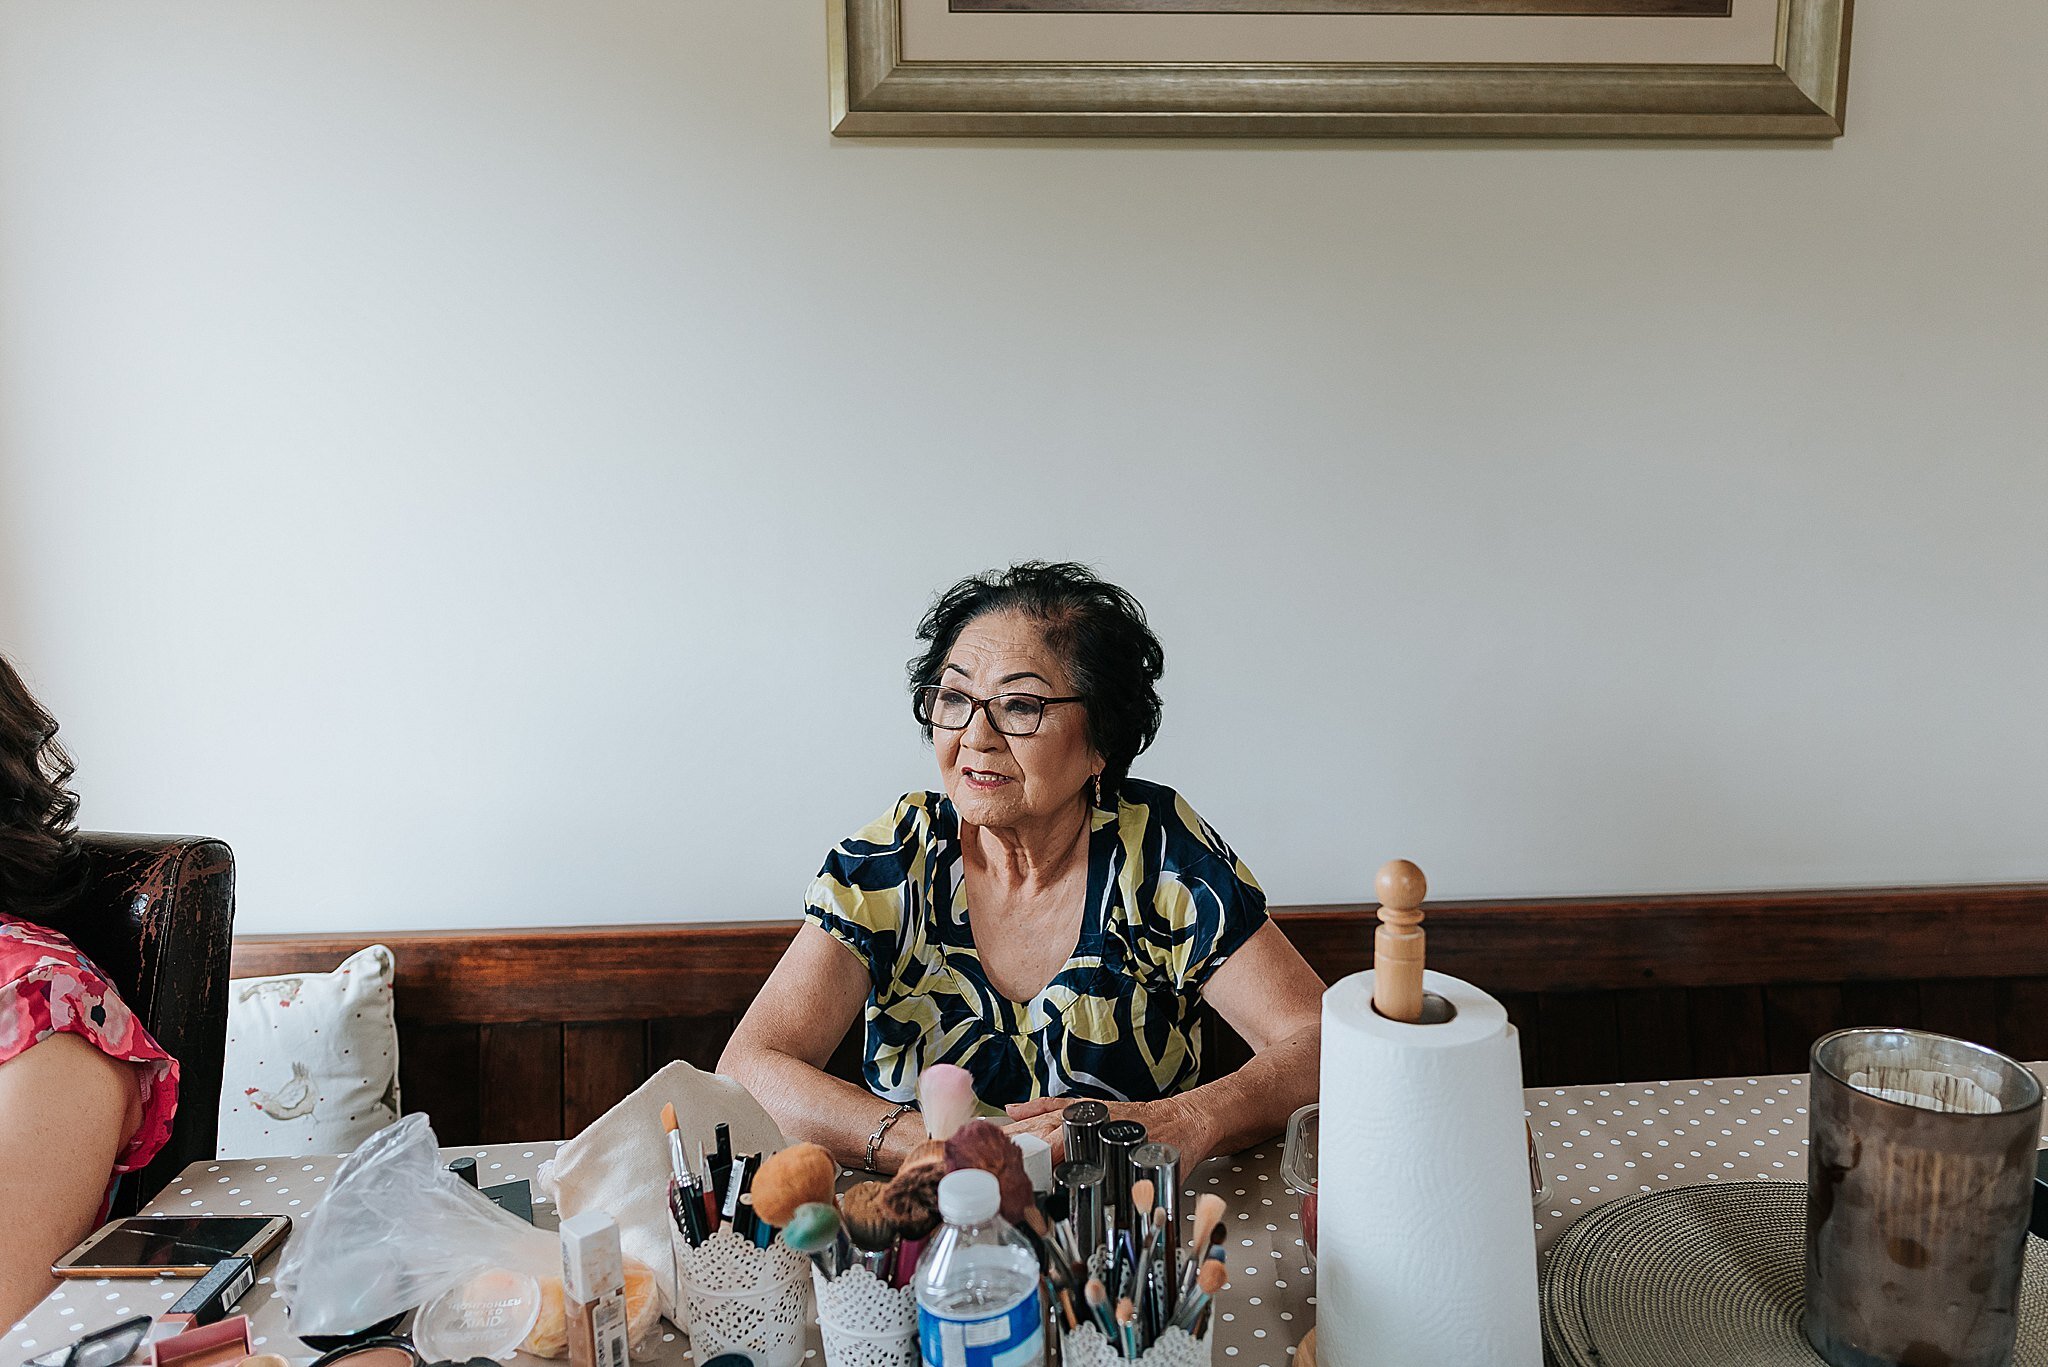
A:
<point x="875" y="1139"/>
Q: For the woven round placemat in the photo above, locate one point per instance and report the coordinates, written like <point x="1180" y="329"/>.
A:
<point x="1708" y="1274"/>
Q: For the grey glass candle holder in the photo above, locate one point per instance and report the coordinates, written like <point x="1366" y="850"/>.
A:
<point x="1920" y="1173"/>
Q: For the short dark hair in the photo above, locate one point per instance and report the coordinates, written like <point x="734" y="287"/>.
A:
<point x="1097" y="629"/>
<point x="38" y="811"/>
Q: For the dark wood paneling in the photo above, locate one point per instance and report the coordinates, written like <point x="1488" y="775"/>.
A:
<point x="1580" y="1043"/>
<point x="1728" y="1036"/>
<point x="2023" y="1017"/>
<point x="601" y="1062"/>
<point x="697" y="1040"/>
<point x="1709" y="940"/>
<point x="522" y="1082"/>
<point x="1966" y="1010"/>
<point x="438" y="1072"/>
<point x="1547" y="945"/>
<point x="1794" y="1017"/>
<point x="1600" y="989"/>
<point x="1654" y="1025"/>
<point x="592" y="973"/>
<point x="1881" y="1003"/>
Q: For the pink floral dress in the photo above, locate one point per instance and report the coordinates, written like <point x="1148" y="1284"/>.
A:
<point x="48" y="987"/>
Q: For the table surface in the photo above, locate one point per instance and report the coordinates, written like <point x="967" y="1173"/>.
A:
<point x="1598" y="1143"/>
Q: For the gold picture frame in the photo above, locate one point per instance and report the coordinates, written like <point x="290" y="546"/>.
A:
<point x="1800" y="92"/>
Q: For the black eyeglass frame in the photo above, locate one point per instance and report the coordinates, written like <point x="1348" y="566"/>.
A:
<point x="922" y="696"/>
<point x="132" y="1330"/>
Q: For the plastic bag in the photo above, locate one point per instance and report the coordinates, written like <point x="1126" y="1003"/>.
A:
<point x="395" y="1230"/>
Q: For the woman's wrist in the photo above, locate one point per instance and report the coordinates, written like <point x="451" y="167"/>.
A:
<point x="1185" y="1122"/>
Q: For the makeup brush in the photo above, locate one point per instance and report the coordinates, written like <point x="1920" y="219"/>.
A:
<point x="1208" y="1215"/>
<point x="1126" y="1332"/>
<point x="1141" y="1202"/>
<point x="860" y="1207"/>
<point x="1210" y="1280"/>
<point x="799" y="1175"/>
<point x="911" y="1198"/>
<point x="1097" y="1297"/>
<point x="813" y="1229"/>
<point x="945" y="1092"/>
<point x="982" y="1144"/>
<point x="676" y="1165"/>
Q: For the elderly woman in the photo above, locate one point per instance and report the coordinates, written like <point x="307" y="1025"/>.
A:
<point x="1047" y="922"/>
<point x="85" y="1093"/>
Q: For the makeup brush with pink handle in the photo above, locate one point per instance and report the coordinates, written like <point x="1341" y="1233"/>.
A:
<point x="945" y="1092"/>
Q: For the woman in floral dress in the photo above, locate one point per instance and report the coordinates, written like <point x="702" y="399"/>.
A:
<point x="85" y="1093"/>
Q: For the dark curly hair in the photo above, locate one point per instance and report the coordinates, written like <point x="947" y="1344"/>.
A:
<point x="1097" y="629"/>
<point x="38" y="811"/>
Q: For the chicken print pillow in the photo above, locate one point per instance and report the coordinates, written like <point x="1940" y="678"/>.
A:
<point x="312" y="1060"/>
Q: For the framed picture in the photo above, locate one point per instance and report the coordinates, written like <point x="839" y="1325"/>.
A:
<point x="1340" y="68"/>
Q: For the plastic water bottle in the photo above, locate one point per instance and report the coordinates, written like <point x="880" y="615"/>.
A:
<point x="978" y="1283"/>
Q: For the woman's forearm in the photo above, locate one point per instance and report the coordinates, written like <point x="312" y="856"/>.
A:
<point x="811" y="1105"/>
<point x="1252" y="1104"/>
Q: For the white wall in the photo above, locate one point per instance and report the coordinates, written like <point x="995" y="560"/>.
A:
<point x="486" y="459"/>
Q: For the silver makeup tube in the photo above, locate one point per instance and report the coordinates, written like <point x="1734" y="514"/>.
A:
<point x="1083" y="1185"/>
<point x="1084" y="1122"/>
<point x="1120" y="1138"/>
<point x="1161" y="1164"/>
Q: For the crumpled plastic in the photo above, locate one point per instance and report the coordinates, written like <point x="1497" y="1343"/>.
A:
<point x="395" y="1230"/>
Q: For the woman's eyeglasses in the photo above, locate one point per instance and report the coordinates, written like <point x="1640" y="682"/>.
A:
<point x="101" y="1349"/>
<point x="1011" y="714"/>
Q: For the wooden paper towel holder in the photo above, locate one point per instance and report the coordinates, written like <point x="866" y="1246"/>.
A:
<point x="1397" y="949"/>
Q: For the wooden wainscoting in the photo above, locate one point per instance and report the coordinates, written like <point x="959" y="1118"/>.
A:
<point x="510" y="1035"/>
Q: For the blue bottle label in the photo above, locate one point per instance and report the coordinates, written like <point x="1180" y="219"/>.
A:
<point x="1012" y="1338"/>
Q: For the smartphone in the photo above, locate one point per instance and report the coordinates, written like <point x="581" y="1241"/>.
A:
<point x="172" y="1245"/>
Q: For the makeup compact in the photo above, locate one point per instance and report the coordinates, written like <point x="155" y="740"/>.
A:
<point x="389" y="1351"/>
<point x="488" y="1316"/>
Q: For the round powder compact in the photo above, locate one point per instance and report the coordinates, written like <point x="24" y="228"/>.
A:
<point x="388" y="1351"/>
<point x="487" y="1316"/>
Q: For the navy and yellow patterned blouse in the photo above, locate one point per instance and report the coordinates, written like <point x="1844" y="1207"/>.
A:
<point x="1167" y="903"/>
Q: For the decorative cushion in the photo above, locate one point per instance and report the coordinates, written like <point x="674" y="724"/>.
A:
<point x="312" y="1060"/>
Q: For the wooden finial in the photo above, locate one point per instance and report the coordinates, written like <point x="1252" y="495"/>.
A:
<point x="1397" y="945"/>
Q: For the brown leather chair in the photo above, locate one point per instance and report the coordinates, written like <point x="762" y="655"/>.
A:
<point x="157" y="914"/>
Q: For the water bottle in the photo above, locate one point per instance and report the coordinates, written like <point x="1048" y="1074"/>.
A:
<point x="977" y="1284"/>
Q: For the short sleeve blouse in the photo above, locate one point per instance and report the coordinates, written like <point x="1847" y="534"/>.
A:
<point x="48" y="987"/>
<point x="1167" y="904"/>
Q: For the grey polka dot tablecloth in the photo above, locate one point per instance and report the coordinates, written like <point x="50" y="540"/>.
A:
<point x="1597" y="1144"/>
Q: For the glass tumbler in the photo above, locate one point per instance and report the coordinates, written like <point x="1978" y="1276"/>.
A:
<point x="1920" y="1174"/>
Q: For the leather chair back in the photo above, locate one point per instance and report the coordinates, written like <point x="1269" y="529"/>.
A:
<point x="157" y="914"/>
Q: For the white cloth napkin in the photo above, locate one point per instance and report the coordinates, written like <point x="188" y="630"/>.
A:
<point x="620" y="1163"/>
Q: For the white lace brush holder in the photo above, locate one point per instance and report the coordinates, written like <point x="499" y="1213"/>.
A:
<point x="864" y="1321"/>
<point x="739" y="1298"/>
<point x="1088" y="1347"/>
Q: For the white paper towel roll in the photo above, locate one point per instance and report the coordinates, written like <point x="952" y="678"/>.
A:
<point x="1426" y="1247"/>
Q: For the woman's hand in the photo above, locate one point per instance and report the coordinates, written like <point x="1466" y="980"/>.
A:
<point x="1171" y="1121"/>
